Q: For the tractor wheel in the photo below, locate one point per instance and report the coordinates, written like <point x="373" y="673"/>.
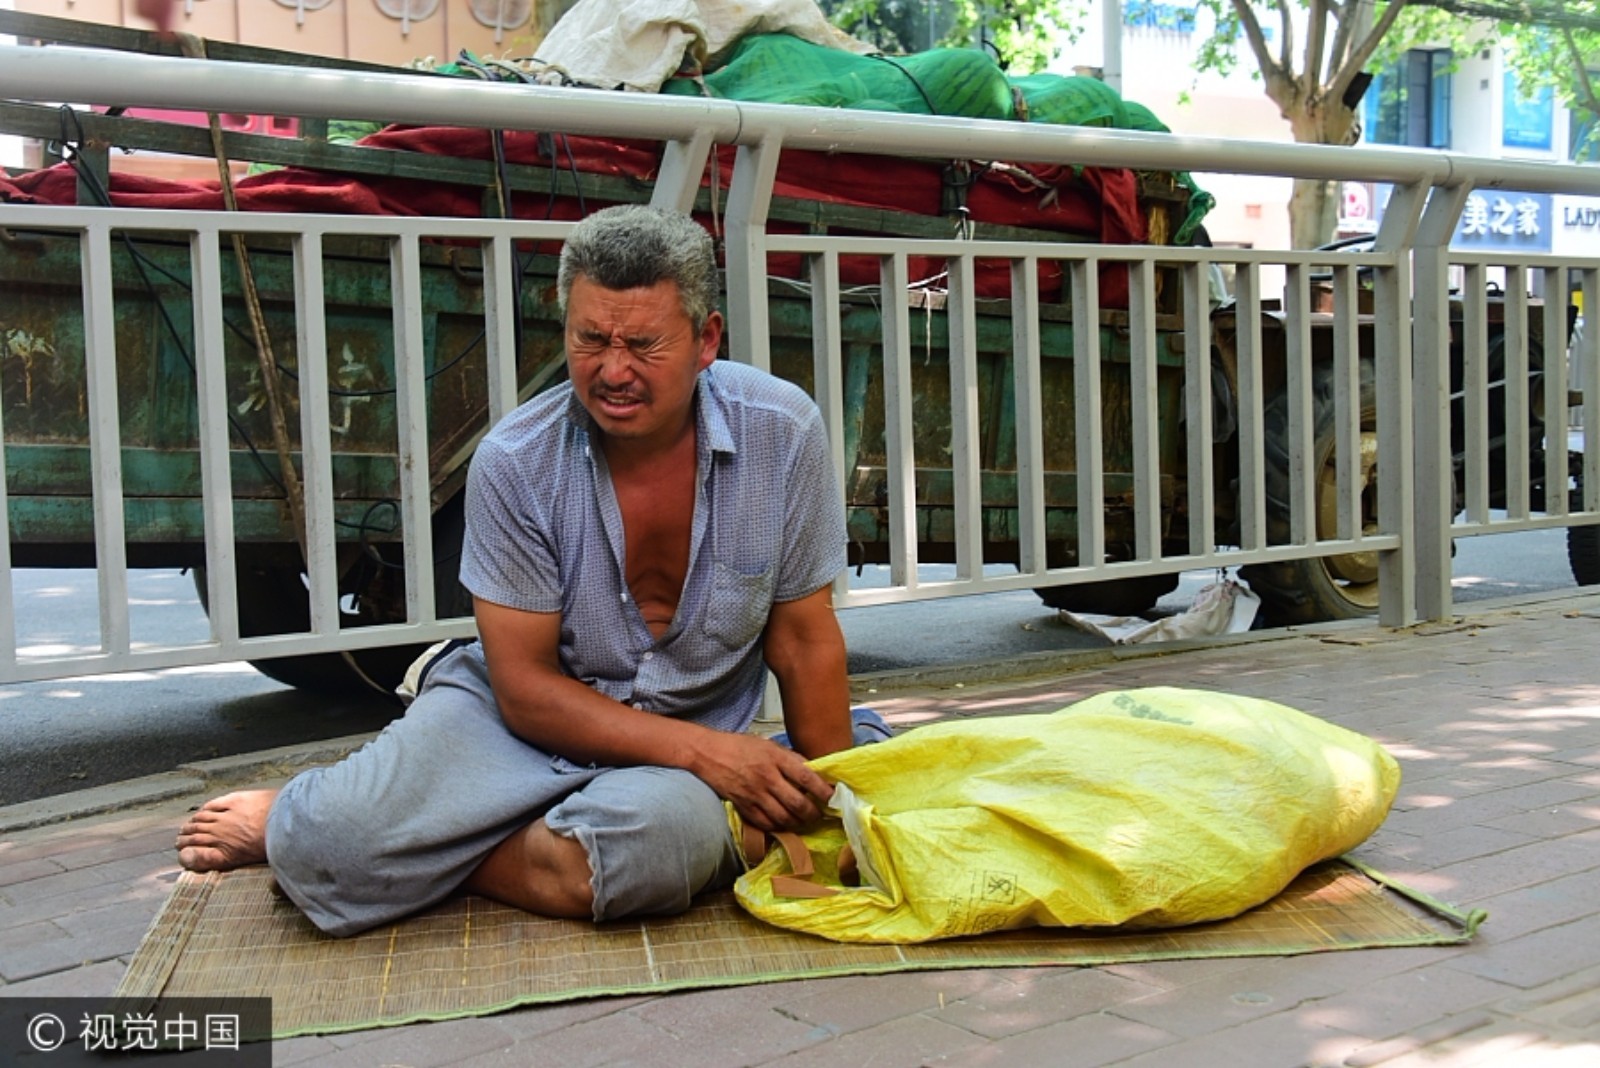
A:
<point x="1331" y="587"/>
<point x="273" y="599"/>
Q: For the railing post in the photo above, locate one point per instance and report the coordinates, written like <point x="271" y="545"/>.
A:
<point x="1589" y="364"/>
<point x="678" y="177"/>
<point x="827" y="364"/>
<point x="965" y="473"/>
<point x="1392" y="377"/>
<point x="8" y="602"/>
<point x="1197" y="407"/>
<point x="211" y="410"/>
<point x="1555" y="391"/>
<point x="500" y="325"/>
<point x="411" y="425"/>
<point x="749" y="198"/>
<point x="1147" y="503"/>
<point x="1027" y="392"/>
<point x="1084" y="278"/>
<point x="105" y="437"/>
<point x="316" y="447"/>
<point x="1252" y="504"/>
<point x="1430" y="352"/>
<point x="900" y="457"/>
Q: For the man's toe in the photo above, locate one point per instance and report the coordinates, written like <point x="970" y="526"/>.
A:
<point x="201" y="858"/>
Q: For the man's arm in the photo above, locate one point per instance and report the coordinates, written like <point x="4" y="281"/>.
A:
<point x="805" y="649"/>
<point x="772" y="788"/>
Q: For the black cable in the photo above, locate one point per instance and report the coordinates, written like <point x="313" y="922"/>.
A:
<point x="572" y="165"/>
<point x="365" y="527"/>
<point x="497" y="141"/>
<point x="926" y="99"/>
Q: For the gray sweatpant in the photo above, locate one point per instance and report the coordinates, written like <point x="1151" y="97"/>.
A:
<point x="401" y="823"/>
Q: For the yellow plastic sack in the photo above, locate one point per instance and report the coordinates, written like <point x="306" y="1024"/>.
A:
<point x="1149" y="808"/>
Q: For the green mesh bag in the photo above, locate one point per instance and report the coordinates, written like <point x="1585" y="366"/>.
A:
<point x="1071" y="101"/>
<point x="779" y="69"/>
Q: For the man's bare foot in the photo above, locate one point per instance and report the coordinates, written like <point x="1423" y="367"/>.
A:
<point x="226" y="832"/>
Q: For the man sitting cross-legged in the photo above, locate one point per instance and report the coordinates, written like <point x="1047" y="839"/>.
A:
<point x="642" y="544"/>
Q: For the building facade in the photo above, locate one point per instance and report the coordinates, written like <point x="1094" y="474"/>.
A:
<point x="378" y="31"/>
<point x="1431" y="98"/>
<point x="394" y="32"/>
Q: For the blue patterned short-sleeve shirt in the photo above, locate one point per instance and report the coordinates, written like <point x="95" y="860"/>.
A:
<point x="544" y="534"/>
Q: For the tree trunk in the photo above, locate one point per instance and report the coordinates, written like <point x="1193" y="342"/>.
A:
<point x="1314" y="205"/>
<point x="1313" y="212"/>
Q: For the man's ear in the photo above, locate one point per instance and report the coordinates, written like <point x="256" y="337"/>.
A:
<point x="710" y="340"/>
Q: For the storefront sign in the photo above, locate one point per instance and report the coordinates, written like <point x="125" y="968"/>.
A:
<point x="1501" y="219"/>
<point x="1577" y="225"/>
<point x="1580" y="216"/>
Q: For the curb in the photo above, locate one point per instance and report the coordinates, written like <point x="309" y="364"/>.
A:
<point x="1031" y="666"/>
<point x="197" y="777"/>
<point x="1363" y="631"/>
<point x="111" y="797"/>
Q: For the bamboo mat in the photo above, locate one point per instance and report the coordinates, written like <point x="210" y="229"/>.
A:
<point x="231" y="935"/>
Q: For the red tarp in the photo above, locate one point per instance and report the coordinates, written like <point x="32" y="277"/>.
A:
<point x="1098" y="204"/>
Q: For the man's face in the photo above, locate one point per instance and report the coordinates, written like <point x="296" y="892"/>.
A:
<point x="633" y="357"/>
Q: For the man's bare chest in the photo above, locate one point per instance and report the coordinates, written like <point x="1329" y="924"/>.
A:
<point x="657" y="523"/>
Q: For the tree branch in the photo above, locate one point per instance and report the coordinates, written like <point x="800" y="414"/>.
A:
<point x="1363" y="51"/>
<point x="1258" y="41"/>
<point x="1286" y="50"/>
<point x="1555" y="14"/>
<point x="1316" y="30"/>
<point x="1584" y="81"/>
<point x="1348" y="14"/>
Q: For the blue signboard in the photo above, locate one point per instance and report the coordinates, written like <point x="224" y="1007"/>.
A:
<point x="1527" y="120"/>
<point x="1176" y="17"/>
<point x="1500" y="220"/>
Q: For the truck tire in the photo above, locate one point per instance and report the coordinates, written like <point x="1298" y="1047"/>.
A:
<point x="273" y="600"/>
<point x="1583" y="553"/>
<point x="1335" y="587"/>
<point x="1123" y="597"/>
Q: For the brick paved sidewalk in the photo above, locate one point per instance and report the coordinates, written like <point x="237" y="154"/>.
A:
<point x="1495" y="721"/>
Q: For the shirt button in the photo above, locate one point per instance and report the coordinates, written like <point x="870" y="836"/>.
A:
<point x="624" y="598"/>
<point x="639" y="706"/>
<point x="648" y="656"/>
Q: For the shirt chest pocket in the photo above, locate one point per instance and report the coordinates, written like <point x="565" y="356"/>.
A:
<point x="737" y="608"/>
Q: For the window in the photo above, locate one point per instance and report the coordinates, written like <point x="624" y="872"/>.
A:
<point x="1409" y="103"/>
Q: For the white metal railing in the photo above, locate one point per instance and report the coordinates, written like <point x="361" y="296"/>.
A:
<point x="1411" y="332"/>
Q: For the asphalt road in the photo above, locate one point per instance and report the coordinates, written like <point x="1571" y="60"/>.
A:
<point x="76" y="733"/>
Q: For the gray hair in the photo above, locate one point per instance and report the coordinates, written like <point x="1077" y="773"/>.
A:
<point x="632" y="245"/>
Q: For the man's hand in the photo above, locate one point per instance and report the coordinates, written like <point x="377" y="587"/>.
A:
<point x="772" y="787"/>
